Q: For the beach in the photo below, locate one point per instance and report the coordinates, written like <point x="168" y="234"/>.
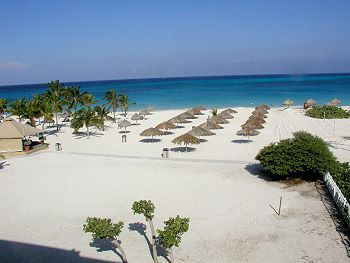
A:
<point x="46" y="197"/>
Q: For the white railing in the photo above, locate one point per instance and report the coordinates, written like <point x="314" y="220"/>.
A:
<point x="338" y="197"/>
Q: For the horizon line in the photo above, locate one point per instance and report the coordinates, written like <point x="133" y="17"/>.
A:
<point x="188" y="77"/>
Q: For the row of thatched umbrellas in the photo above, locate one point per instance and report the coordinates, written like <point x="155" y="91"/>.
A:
<point x="254" y="122"/>
<point x="136" y="117"/>
<point x="311" y="102"/>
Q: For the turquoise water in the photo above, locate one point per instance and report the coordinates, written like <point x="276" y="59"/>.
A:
<point x="212" y="92"/>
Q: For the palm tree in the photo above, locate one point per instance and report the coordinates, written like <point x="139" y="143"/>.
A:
<point x="102" y="115"/>
<point x="32" y="111"/>
<point x="88" y="100"/>
<point x="124" y="102"/>
<point x="55" y="96"/>
<point x="112" y="101"/>
<point x="46" y="112"/>
<point x="74" y="97"/>
<point x="85" y="117"/>
<point x="17" y="108"/>
<point x="3" y="107"/>
<point x="214" y="112"/>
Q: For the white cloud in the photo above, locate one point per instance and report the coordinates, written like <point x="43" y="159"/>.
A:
<point x="13" y="65"/>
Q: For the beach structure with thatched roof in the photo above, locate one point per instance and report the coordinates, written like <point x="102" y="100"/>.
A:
<point x="136" y="117"/>
<point x="248" y="131"/>
<point x="12" y="133"/>
<point x="219" y="120"/>
<point x="260" y="111"/>
<point x="252" y="124"/>
<point x="166" y="125"/>
<point x="262" y="106"/>
<point x="151" y="132"/>
<point x="124" y="124"/>
<point x="178" y="120"/>
<point x="200" y="108"/>
<point x="209" y="125"/>
<point x="258" y="115"/>
<point x="199" y="131"/>
<point x="334" y="102"/>
<point x="230" y="111"/>
<point x="288" y="103"/>
<point x="186" y="115"/>
<point x="225" y="115"/>
<point x="186" y="139"/>
<point x="257" y="118"/>
<point x="194" y="111"/>
<point x="150" y="108"/>
<point x="144" y="112"/>
<point x="309" y="103"/>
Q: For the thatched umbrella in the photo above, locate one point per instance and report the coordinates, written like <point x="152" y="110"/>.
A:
<point x="334" y="102"/>
<point x="136" y="117"/>
<point x="260" y="111"/>
<point x="225" y="115"/>
<point x="219" y="120"/>
<point x="200" y="108"/>
<point x="229" y="111"/>
<point x="150" y="132"/>
<point x="256" y="118"/>
<point x="262" y="106"/>
<point x="252" y="124"/>
<point x="144" y="112"/>
<point x="124" y="123"/>
<point x="186" y="115"/>
<point x="288" y="103"/>
<point x="199" y="131"/>
<point x="249" y="131"/>
<point x="309" y="103"/>
<point x="150" y="108"/>
<point x="194" y="111"/>
<point x="167" y="125"/>
<point x="209" y="125"/>
<point x="186" y="139"/>
<point x="178" y="120"/>
<point x="258" y="115"/>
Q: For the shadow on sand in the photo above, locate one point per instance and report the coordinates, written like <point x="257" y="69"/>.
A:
<point x="183" y="149"/>
<point x="141" y="229"/>
<point x="241" y="141"/>
<point x="11" y="251"/>
<point x="150" y="140"/>
<point x="105" y="245"/>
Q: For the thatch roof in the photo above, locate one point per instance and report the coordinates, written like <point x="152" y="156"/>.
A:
<point x="124" y="124"/>
<point x="144" y="112"/>
<point x="136" y="117"/>
<point x="260" y="111"/>
<point x="219" y="120"/>
<point x="248" y="132"/>
<point x="11" y="129"/>
<point x="167" y="125"/>
<point x="186" y="115"/>
<point x="199" y="131"/>
<point x="150" y="108"/>
<point x="252" y="124"/>
<point x="257" y="118"/>
<point x="152" y="132"/>
<point x="262" y="106"/>
<point x="194" y="111"/>
<point x="258" y="115"/>
<point x="186" y="139"/>
<point x="229" y="111"/>
<point x="200" y="108"/>
<point x="225" y="115"/>
<point x="288" y="102"/>
<point x="178" y="119"/>
<point x="209" y="125"/>
<point x="334" y="102"/>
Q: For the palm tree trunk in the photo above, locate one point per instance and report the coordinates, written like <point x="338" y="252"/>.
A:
<point x="170" y="251"/>
<point x="114" y="116"/>
<point x="32" y="122"/>
<point x="56" y="116"/>
<point x="154" y="248"/>
<point x="88" y="132"/>
<point x="115" y="241"/>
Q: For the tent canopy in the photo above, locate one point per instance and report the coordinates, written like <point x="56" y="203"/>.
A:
<point x="10" y="129"/>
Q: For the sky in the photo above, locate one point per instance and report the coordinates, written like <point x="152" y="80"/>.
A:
<point x="79" y="40"/>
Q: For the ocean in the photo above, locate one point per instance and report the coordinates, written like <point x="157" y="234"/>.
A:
<point x="212" y="92"/>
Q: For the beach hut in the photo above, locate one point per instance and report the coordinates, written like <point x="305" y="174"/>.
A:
<point x="334" y="102"/>
<point x="167" y="125"/>
<point x="288" y="103"/>
<point x="136" y="117"/>
<point x="151" y="132"/>
<point x="124" y="124"/>
<point x="199" y="131"/>
<point x="186" y="139"/>
<point x="12" y="134"/>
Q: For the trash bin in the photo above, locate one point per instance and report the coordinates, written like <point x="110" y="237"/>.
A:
<point x="124" y="138"/>
<point x="165" y="153"/>
<point x="58" y="147"/>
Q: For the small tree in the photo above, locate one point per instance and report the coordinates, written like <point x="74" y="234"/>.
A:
<point x="171" y="235"/>
<point x="146" y="208"/>
<point x="103" y="228"/>
<point x="85" y="117"/>
<point x="3" y="106"/>
<point x="214" y="112"/>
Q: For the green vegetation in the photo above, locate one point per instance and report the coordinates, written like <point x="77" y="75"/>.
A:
<point x="304" y="156"/>
<point x="103" y="229"/>
<point x="112" y="101"/>
<point x="214" y="112"/>
<point x="327" y="112"/>
<point x="342" y="179"/>
<point x="3" y="106"/>
<point x="124" y="102"/>
<point x="171" y="235"/>
<point x="17" y="108"/>
<point x="86" y="117"/>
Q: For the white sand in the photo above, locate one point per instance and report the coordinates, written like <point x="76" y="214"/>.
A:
<point x="45" y="198"/>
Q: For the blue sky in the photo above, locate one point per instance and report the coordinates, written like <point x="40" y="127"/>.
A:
<point x="101" y="39"/>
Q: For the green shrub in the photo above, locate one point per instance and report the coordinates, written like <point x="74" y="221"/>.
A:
<point x="342" y="178"/>
<point x="304" y="156"/>
<point x="328" y="112"/>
